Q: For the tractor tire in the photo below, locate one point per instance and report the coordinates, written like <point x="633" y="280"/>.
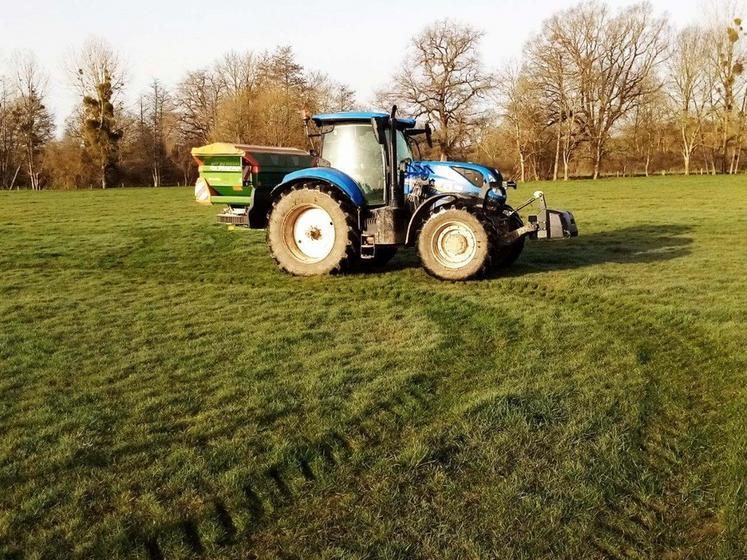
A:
<point x="456" y="244"/>
<point x="312" y="230"/>
<point x="506" y="255"/>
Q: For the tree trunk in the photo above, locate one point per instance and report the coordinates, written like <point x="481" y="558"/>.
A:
<point x="13" y="180"/>
<point x="32" y="175"/>
<point x="557" y="156"/>
<point x="740" y="133"/>
<point x="597" y="162"/>
<point x="444" y="145"/>
<point x="724" y="144"/>
<point x="687" y="147"/>
<point x="597" y="155"/>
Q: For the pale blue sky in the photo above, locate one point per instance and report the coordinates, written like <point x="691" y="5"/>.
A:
<point x="359" y="43"/>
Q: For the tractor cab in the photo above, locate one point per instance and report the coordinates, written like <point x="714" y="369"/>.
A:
<point x="355" y="144"/>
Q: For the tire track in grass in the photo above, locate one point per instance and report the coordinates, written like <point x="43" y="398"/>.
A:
<point x="654" y="520"/>
<point x="280" y="486"/>
<point x="637" y="526"/>
<point x="462" y="322"/>
<point x="445" y="312"/>
<point x="645" y="524"/>
<point x="651" y="515"/>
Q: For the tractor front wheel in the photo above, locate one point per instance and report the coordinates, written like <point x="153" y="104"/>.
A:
<point x="312" y="230"/>
<point x="455" y="244"/>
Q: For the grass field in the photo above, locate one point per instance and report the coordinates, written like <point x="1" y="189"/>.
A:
<point x="166" y="393"/>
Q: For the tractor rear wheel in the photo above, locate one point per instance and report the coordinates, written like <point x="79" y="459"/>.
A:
<point x="455" y="244"/>
<point x="312" y="230"/>
<point x="505" y="255"/>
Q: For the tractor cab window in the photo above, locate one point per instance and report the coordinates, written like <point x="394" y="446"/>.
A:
<point x="414" y="145"/>
<point x="353" y="149"/>
<point x="404" y="151"/>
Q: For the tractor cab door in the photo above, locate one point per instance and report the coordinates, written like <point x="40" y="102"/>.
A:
<point x="353" y="149"/>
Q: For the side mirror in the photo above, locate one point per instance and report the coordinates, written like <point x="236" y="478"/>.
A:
<point x="429" y="135"/>
<point x="379" y="128"/>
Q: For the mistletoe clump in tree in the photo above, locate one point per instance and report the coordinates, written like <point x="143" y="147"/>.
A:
<point x="100" y="132"/>
<point x="98" y="76"/>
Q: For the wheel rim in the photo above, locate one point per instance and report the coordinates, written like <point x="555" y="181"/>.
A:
<point x="454" y="244"/>
<point x="309" y="233"/>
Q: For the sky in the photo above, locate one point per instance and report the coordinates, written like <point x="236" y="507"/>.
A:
<point x="357" y="43"/>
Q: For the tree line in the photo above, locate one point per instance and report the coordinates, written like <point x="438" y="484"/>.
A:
<point x="242" y="98"/>
<point x="624" y="93"/>
<point x="596" y="92"/>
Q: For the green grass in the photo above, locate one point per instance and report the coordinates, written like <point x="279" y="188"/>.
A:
<point x="165" y="392"/>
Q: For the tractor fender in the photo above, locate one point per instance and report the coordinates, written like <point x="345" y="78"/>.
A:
<point x="426" y="207"/>
<point x="333" y="177"/>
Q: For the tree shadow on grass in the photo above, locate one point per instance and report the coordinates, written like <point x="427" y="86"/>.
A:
<point x="644" y="243"/>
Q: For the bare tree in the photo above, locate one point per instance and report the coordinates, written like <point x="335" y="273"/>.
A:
<point x="557" y="83"/>
<point x="644" y="133"/>
<point x="728" y="59"/>
<point x="155" y="109"/>
<point x="238" y="72"/>
<point x="286" y="91"/>
<point x="442" y="79"/>
<point x="261" y="103"/>
<point x="35" y="125"/>
<point x="613" y="59"/>
<point x="95" y="63"/>
<point x="328" y="95"/>
<point x="523" y="111"/>
<point x="687" y="87"/>
<point x="9" y="137"/>
<point x="198" y="96"/>
<point x="280" y="69"/>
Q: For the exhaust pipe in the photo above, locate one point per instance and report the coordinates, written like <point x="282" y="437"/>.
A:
<point x="396" y="191"/>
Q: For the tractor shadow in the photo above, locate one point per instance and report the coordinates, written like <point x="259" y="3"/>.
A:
<point x="644" y="243"/>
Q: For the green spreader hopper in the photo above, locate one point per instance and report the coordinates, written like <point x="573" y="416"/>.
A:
<point x="243" y="176"/>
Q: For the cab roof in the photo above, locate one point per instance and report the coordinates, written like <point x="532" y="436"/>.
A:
<point x="353" y="116"/>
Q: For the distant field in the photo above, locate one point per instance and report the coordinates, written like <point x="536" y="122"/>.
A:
<point x="165" y="392"/>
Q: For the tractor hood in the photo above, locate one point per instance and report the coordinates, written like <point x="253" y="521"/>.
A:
<point x="453" y="176"/>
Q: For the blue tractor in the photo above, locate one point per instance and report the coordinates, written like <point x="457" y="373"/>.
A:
<point x="367" y="195"/>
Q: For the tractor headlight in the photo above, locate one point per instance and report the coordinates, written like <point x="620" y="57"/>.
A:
<point x="496" y="194"/>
